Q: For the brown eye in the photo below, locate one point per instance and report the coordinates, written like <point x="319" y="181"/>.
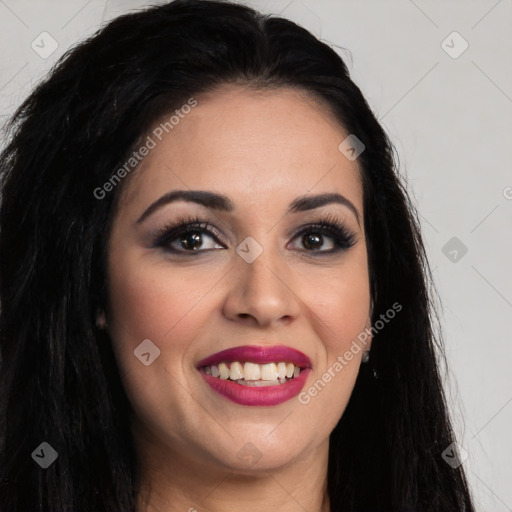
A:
<point x="188" y="237"/>
<point x="191" y="240"/>
<point x="337" y="238"/>
<point x="312" y="241"/>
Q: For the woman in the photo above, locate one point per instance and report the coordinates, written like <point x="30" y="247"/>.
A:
<point x="214" y="291"/>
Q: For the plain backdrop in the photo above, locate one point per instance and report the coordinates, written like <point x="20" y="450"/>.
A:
<point x="438" y="75"/>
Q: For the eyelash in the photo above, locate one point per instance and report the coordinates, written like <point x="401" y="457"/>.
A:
<point x="343" y="238"/>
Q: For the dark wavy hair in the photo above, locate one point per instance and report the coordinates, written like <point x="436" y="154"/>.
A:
<point x="59" y="382"/>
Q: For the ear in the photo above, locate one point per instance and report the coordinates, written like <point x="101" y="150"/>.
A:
<point x="101" y="321"/>
<point x="368" y="328"/>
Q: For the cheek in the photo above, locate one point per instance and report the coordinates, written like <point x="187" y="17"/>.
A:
<point x="168" y="306"/>
<point x="345" y="314"/>
<point x="340" y="303"/>
<point x="153" y="301"/>
<point x="340" y="310"/>
<point x="150" y="301"/>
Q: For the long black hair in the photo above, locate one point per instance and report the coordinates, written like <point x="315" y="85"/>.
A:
<point x="59" y="383"/>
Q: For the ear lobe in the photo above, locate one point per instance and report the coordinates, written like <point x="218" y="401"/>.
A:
<point x="369" y="322"/>
<point x="368" y="327"/>
<point x="101" y="321"/>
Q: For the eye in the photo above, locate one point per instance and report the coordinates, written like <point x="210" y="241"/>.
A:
<point x="188" y="236"/>
<point x="314" y="240"/>
<point x="194" y="240"/>
<point x="326" y="232"/>
<point x="193" y="236"/>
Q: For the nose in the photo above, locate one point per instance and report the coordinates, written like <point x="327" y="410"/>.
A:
<point x="263" y="292"/>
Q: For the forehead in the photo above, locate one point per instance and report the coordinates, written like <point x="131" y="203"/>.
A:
<point x="257" y="147"/>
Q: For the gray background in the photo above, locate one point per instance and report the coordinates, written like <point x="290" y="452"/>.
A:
<point x="449" y="115"/>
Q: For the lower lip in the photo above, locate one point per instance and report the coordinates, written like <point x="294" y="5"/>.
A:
<point x="263" y="395"/>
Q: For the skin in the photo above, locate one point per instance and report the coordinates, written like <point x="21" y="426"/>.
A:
<point x="262" y="150"/>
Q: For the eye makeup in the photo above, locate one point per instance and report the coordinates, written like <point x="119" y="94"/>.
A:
<point x="193" y="226"/>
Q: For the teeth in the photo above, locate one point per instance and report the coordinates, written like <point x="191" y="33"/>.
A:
<point x="259" y="383"/>
<point x="224" y="371"/>
<point x="236" y="371"/>
<point x="252" y="374"/>
<point x="252" y="371"/>
<point x="269" y="371"/>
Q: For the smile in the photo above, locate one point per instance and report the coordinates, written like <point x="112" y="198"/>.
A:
<point x="256" y="375"/>
<point x="252" y="374"/>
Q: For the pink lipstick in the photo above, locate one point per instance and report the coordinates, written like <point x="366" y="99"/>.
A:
<point x="256" y="375"/>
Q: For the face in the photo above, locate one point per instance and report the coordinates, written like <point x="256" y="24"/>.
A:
<point x="259" y="272"/>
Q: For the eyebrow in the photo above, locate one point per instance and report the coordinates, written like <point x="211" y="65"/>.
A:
<point x="220" y="202"/>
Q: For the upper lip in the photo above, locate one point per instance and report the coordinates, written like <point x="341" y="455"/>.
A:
<point x="258" y="354"/>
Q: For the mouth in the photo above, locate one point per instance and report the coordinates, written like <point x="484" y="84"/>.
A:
<point x="256" y="375"/>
